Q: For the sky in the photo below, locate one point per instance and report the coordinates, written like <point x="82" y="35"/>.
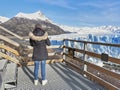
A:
<point x="67" y="12"/>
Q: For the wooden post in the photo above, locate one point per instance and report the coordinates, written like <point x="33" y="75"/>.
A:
<point x="84" y="58"/>
<point x="64" y="57"/>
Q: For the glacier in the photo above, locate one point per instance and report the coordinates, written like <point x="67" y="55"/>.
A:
<point x="111" y="51"/>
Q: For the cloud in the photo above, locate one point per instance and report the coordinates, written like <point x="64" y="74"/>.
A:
<point x="86" y="12"/>
<point x="99" y="18"/>
<point x="102" y="11"/>
<point x="59" y="3"/>
<point x="101" y="4"/>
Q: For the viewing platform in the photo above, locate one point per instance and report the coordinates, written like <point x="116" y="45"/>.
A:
<point x="59" y="77"/>
<point x="68" y="66"/>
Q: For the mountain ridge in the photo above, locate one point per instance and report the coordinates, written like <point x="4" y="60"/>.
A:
<point x="3" y="19"/>
<point x="34" y="16"/>
<point x="39" y="17"/>
<point x="22" y="24"/>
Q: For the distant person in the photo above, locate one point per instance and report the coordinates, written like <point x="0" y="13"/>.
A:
<point x="39" y="40"/>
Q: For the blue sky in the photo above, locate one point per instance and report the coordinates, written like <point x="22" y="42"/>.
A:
<point x="67" y="12"/>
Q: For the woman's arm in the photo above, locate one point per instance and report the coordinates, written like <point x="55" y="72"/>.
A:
<point x="47" y="41"/>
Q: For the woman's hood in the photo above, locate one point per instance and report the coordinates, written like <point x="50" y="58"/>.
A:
<point x="38" y="38"/>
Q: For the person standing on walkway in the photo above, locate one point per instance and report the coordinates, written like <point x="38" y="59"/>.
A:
<point x="39" y="40"/>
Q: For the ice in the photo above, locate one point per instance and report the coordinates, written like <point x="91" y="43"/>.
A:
<point x="111" y="51"/>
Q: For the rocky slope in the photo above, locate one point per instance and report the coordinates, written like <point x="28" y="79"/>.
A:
<point x="22" y="23"/>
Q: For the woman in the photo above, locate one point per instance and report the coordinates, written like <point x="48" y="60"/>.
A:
<point x="39" y="40"/>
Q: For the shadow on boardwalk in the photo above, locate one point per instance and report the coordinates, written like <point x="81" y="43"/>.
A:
<point x="59" y="76"/>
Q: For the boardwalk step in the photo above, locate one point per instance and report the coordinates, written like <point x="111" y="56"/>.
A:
<point x="10" y="76"/>
<point x="3" y="64"/>
<point x="1" y="84"/>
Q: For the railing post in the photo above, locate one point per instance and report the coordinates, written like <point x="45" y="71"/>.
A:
<point x="84" y="58"/>
<point x="64" y="57"/>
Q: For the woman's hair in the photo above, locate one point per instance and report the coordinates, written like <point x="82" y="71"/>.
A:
<point x="38" y="26"/>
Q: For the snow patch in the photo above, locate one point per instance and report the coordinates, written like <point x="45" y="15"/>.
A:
<point x="3" y="19"/>
<point x="34" y="16"/>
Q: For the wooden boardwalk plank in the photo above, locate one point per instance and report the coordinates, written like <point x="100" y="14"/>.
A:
<point x="59" y="77"/>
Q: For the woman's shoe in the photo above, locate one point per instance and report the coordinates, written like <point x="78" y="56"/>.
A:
<point x="35" y="82"/>
<point x="44" y="82"/>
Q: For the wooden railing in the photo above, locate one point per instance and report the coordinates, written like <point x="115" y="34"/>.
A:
<point x="14" y="56"/>
<point x="25" y="52"/>
<point x="11" y="33"/>
<point x="8" y="41"/>
<point x="80" y="64"/>
<point x="10" y="54"/>
<point x="101" y="75"/>
<point x="54" y="55"/>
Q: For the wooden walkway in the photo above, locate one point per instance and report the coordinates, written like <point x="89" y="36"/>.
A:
<point x="59" y="77"/>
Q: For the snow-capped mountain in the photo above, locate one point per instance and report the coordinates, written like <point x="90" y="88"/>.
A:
<point x="110" y="27"/>
<point x="22" y="24"/>
<point x="3" y="19"/>
<point x="83" y="32"/>
<point x="114" y="29"/>
<point x="27" y="20"/>
<point x="33" y="16"/>
<point x="92" y="30"/>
